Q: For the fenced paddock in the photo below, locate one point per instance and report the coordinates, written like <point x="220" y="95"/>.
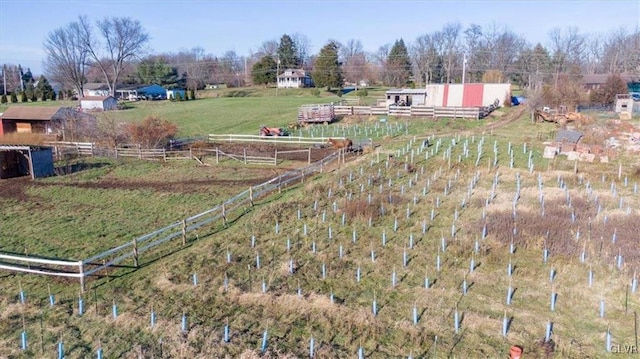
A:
<point x="223" y="213"/>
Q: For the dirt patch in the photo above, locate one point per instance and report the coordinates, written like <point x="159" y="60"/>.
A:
<point x="14" y="188"/>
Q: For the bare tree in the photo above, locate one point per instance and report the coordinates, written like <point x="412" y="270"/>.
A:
<point x="451" y="42"/>
<point x="567" y="48"/>
<point x="354" y="62"/>
<point x="269" y="47"/>
<point x="11" y="74"/>
<point x="66" y="56"/>
<point x="124" y="39"/>
<point x="302" y="44"/>
<point x="425" y="58"/>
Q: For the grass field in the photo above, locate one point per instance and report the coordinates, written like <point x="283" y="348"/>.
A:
<point x="430" y="204"/>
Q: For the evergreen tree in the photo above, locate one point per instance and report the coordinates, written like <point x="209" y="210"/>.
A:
<point x="288" y="54"/>
<point x="23" y="97"/>
<point x="44" y="89"/>
<point x="193" y="94"/>
<point x="34" y="98"/>
<point x="14" y="97"/>
<point x="3" y="99"/>
<point x="398" y="67"/>
<point x="327" y="70"/>
<point x="263" y="72"/>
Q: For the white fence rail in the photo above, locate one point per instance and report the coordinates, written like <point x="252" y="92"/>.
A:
<point x="411" y="111"/>
<point x="268" y="139"/>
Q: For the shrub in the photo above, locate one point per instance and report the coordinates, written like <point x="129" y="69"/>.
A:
<point x="362" y="93"/>
<point x="315" y="92"/>
<point x="179" y="96"/>
<point x="34" y="98"/>
<point x="3" y="99"/>
<point x="14" y="97"/>
<point x="153" y="132"/>
<point x="171" y="98"/>
<point x="52" y="95"/>
<point x="507" y="100"/>
<point x="60" y="95"/>
<point x="193" y="94"/>
<point x="23" y="97"/>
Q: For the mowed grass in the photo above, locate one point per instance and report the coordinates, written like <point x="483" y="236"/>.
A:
<point x="165" y="285"/>
<point x="231" y="292"/>
<point x="78" y="215"/>
<point x="241" y="115"/>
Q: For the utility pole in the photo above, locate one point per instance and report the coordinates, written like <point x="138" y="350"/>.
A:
<point x="464" y="65"/>
<point x="4" y="78"/>
<point x="277" y="73"/>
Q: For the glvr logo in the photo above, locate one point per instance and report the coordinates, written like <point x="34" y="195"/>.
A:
<point x="624" y="349"/>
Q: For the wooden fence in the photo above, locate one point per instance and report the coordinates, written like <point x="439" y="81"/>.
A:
<point x="411" y="111"/>
<point x="269" y="139"/>
<point x="250" y="159"/>
<point x="227" y="211"/>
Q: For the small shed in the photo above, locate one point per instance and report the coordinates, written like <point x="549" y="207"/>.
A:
<point x="624" y="103"/>
<point x="173" y="93"/>
<point x="567" y="140"/>
<point x="406" y="97"/>
<point x="17" y="161"/>
<point x="98" y="103"/>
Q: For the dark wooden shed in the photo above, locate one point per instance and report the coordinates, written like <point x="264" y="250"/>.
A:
<point x="34" y="161"/>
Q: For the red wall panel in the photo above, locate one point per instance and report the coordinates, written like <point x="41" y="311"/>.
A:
<point x="445" y="95"/>
<point x="472" y="96"/>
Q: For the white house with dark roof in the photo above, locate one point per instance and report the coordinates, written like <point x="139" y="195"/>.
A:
<point x="294" y="78"/>
<point x="98" y="103"/>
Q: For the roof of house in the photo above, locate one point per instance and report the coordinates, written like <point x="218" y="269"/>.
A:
<point x="39" y="113"/>
<point x="408" y="91"/>
<point x="602" y="78"/>
<point x="95" y="98"/>
<point x="95" y="86"/>
<point x="294" y="73"/>
<point x="568" y="136"/>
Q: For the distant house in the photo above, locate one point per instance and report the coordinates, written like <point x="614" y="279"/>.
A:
<point x="141" y="92"/>
<point x="95" y="89"/>
<point x="98" y="103"/>
<point x="42" y="120"/>
<point x="294" y="78"/>
<point x="596" y="81"/>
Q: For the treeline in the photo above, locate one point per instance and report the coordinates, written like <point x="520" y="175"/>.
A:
<point x="494" y="53"/>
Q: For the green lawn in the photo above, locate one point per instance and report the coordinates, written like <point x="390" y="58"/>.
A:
<point x="80" y="214"/>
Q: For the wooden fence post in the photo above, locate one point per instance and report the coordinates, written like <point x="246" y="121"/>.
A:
<point x="251" y="195"/>
<point x="135" y="252"/>
<point x="245" y="155"/>
<point x="217" y="155"/>
<point x="224" y="215"/>
<point x="81" y="271"/>
<point x="184" y="232"/>
<point x="309" y="157"/>
<point x="275" y="158"/>
<point x="164" y="155"/>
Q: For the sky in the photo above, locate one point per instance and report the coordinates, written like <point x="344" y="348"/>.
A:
<point x="242" y="26"/>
